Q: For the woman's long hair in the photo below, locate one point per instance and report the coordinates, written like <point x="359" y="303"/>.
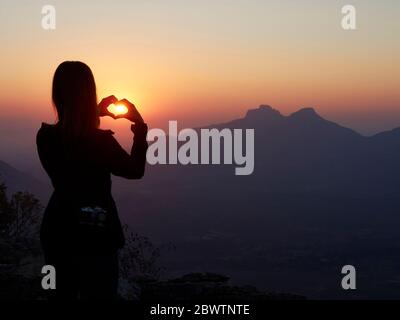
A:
<point x="74" y="97"/>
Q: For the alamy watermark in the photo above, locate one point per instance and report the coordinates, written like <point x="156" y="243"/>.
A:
<point x="49" y="278"/>
<point x="202" y="146"/>
<point x="349" y="19"/>
<point x="48" y="21"/>
<point x="349" y="280"/>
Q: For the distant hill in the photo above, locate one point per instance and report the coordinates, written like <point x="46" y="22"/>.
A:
<point x="16" y="180"/>
<point x="298" y="153"/>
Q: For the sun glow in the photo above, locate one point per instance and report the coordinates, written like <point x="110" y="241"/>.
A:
<point x="118" y="109"/>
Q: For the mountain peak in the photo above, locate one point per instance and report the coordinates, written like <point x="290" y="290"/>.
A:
<point x="306" y="113"/>
<point x="265" y="107"/>
<point x="263" y="111"/>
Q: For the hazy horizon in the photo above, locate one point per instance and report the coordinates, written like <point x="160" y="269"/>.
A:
<point x="18" y="145"/>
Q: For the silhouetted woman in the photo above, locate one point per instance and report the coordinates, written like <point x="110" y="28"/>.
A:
<point x="81" y="232"/>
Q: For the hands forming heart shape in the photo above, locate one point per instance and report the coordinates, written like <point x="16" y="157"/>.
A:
<point x="116" y="109"/>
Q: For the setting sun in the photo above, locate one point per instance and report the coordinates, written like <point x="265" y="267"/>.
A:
<point x="118" y="109"/>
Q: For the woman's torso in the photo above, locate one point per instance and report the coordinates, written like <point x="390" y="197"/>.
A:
<point x="81" y="178"/>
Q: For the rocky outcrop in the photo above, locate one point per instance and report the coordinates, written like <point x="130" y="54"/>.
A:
<point x="205" y="287"/>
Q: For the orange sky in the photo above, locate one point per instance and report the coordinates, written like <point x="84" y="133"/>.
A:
<point x="209" y="61"/>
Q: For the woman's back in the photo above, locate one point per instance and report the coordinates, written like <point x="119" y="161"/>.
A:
<point x="77" y="166"/>
<point x="80" y="171"/>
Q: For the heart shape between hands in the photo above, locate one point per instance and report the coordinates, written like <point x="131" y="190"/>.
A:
<point x="118" y="108"/>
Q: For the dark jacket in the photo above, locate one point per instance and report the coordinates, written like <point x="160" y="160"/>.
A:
<point x="80" y="172"/>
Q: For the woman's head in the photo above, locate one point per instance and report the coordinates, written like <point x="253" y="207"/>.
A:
<point x="75" y="99"/>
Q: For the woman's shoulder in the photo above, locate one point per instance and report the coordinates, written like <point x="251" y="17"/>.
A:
<point x="46" y="128"/>
<point x="50" y="132"/>
<point x="45" y="134"/>
<point x="52" y="128"/>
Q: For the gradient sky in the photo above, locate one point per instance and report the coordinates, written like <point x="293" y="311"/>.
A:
<point x="207" y="61"/>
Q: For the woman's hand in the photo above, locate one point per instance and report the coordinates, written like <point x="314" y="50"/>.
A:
<point x="104" y="104"/>
<point x="132" y="114"/>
